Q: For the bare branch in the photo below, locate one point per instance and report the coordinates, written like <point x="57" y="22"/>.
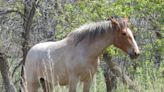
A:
<point x="20" y="63"/>
<point x="18" y="80"/>
<point x="3" y="12"/>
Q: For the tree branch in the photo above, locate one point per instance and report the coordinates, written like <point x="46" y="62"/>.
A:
<point x="20" y="63"/>
<point x="3" y="12"/>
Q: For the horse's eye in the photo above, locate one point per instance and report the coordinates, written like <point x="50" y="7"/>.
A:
<point x="124" y="34"/>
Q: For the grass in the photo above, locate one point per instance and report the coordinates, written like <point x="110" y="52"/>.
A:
<point x="98" y="84"/>
<point x="146" y="76"/>
<point x="147" y="80"/>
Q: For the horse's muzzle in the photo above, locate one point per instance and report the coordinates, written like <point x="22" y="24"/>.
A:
<point x="134" y="55"/>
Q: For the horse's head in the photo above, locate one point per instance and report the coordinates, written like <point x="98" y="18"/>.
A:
<point x="123" y="37"/>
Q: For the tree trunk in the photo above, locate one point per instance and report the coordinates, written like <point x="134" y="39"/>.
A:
<point x="111" y="71"/>
<point x="29" y="12"/>
<point x="110" y="78"/>
<point x="4" y="68"/>
<point x="158" y="57"/>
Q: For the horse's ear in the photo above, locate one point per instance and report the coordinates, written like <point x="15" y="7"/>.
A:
<point x="125" y="20"/>
<point x="113" y="21"/>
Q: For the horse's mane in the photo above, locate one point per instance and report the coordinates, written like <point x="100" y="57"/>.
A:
<point x="91" y="30"/>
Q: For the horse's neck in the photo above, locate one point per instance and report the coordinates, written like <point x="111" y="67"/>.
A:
<point x="96" y="47"/>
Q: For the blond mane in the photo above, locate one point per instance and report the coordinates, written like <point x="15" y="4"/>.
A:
<point x="91" y="30"/>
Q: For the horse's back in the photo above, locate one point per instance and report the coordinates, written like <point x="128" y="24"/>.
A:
<point x="42" y="50"/>
<point x="38" y="51"/>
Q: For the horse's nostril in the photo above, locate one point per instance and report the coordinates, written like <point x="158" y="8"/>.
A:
<point x="137" y="54"/>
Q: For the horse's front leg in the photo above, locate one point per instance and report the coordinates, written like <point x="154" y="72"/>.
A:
<point x="88" y="81"/>
<point x="73" y="80"/>
<point x="86" y="85"/>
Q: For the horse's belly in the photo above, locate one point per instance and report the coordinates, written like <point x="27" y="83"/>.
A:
<point x="63" y="81"/>
<point x="56" y="75"/>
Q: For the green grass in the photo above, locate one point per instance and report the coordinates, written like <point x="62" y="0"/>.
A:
<point x="98" y="84"/>
<point x="147" y="79"/>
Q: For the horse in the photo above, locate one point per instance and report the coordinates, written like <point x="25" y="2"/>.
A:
<point x="76" y="57"/>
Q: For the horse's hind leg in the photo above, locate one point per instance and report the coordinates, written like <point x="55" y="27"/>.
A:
<point x="32" y="86"/>
<point x="42" y="82"/>
<point x="47" y="87"/>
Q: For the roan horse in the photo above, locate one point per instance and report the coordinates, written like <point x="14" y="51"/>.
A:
<point x="75" y="58"/>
